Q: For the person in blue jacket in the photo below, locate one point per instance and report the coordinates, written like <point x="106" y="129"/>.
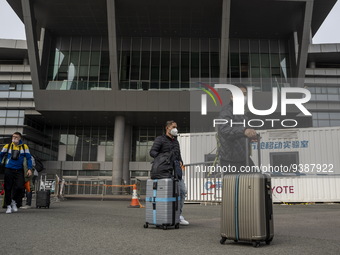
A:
<point x="12" y="156"/>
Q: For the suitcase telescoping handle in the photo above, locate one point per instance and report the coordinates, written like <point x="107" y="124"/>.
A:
<point x="258" y="139"/>
<point x="247" y="151"/>
<point x="176" y="183"/>
<point x="41" y="180"/>
<point x="259" y="163"/>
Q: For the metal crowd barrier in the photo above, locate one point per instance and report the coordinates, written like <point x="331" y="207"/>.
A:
<point x="203" y="182"/>
<point x="94" y="187"/>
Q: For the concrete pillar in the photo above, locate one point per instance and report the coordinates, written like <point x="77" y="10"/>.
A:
<point x="44" y="52"/>
<point x="225" y="38"/>
<point x="304" y="42"/>
<point x="41" y="43"/>
<point x="111" y="20"/>
<point x="293" y="48"/>
<point x="118" y="151"/>
<point x="296" y="47"/>
<point x="32" y="42"/>
<point x="127" y="152"/>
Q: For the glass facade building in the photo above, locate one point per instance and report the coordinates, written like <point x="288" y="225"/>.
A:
<point x="17" y="107"/>
<point x="13" y="115"/>
<point x="158" y="63"/>
<point x="79" y="63"/>
<point x="325" y="95"/>
<point x="259" y="61"/>
<point x="166" y="63"/>
<point x="112" y="72"/>
<point x="82" y="143"/>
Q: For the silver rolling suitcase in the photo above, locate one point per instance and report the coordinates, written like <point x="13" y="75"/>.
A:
<point x="162" y="203"/>
<point x="43" y="197"/>
<point x="247" y="208"/>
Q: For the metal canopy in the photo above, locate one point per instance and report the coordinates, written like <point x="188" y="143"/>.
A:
<point x="190" y="18"/>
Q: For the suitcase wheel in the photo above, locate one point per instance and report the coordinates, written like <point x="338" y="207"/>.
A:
<point x="165" y="227"/>
<point x="146" y="225"/>
<point x="223" y="239"/>
<point x="269" y="241"/>
<point x="177" y="226"/>
<point x="256" y="244"/>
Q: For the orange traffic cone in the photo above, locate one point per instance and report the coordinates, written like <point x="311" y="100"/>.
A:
<point x="134" y="201"/>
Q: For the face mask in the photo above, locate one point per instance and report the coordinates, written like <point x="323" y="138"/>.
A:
<point x="174" y="132"/>
<point x="15" y="141"/>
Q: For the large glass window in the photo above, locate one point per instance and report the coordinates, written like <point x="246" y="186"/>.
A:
<point x="143" y="139"/>
<point x="14" y="117"/>
<point x="166" y="63"/>
<point x="264" y="63"/>
<point x="79" y="63"/>
<point x="82" y="142"/>
<point x="328" y="94"/>
<point x="326" y="119"/>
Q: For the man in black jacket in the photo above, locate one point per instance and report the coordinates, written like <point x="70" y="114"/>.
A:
<point x="232" y="138"/>
<point x="168" y="143"/>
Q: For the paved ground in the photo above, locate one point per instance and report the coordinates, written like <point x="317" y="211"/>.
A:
<point x="109" y="227"/>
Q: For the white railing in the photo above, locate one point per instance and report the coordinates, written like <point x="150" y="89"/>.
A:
<point x="202" y="185"/>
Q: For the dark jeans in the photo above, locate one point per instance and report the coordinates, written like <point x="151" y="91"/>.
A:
<point x="29" y="198"/>
<point x="14" y="185"/>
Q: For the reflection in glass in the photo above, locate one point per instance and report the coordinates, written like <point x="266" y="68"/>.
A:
<point x="76" y="61"/>
<point x="166" y="63"/>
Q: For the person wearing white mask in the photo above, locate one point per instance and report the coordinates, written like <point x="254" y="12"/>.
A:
<point x="12" y="157"/>
<point x="168" y="143"/>
<point x="232" y="137"/>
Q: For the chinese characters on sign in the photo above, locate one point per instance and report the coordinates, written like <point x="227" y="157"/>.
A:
<point x="282" y="145"/>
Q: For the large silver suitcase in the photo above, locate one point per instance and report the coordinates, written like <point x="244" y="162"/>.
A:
<point x="247" y="207"/>
<point x="247" y="210"/>
<point x="162" y="203"/>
